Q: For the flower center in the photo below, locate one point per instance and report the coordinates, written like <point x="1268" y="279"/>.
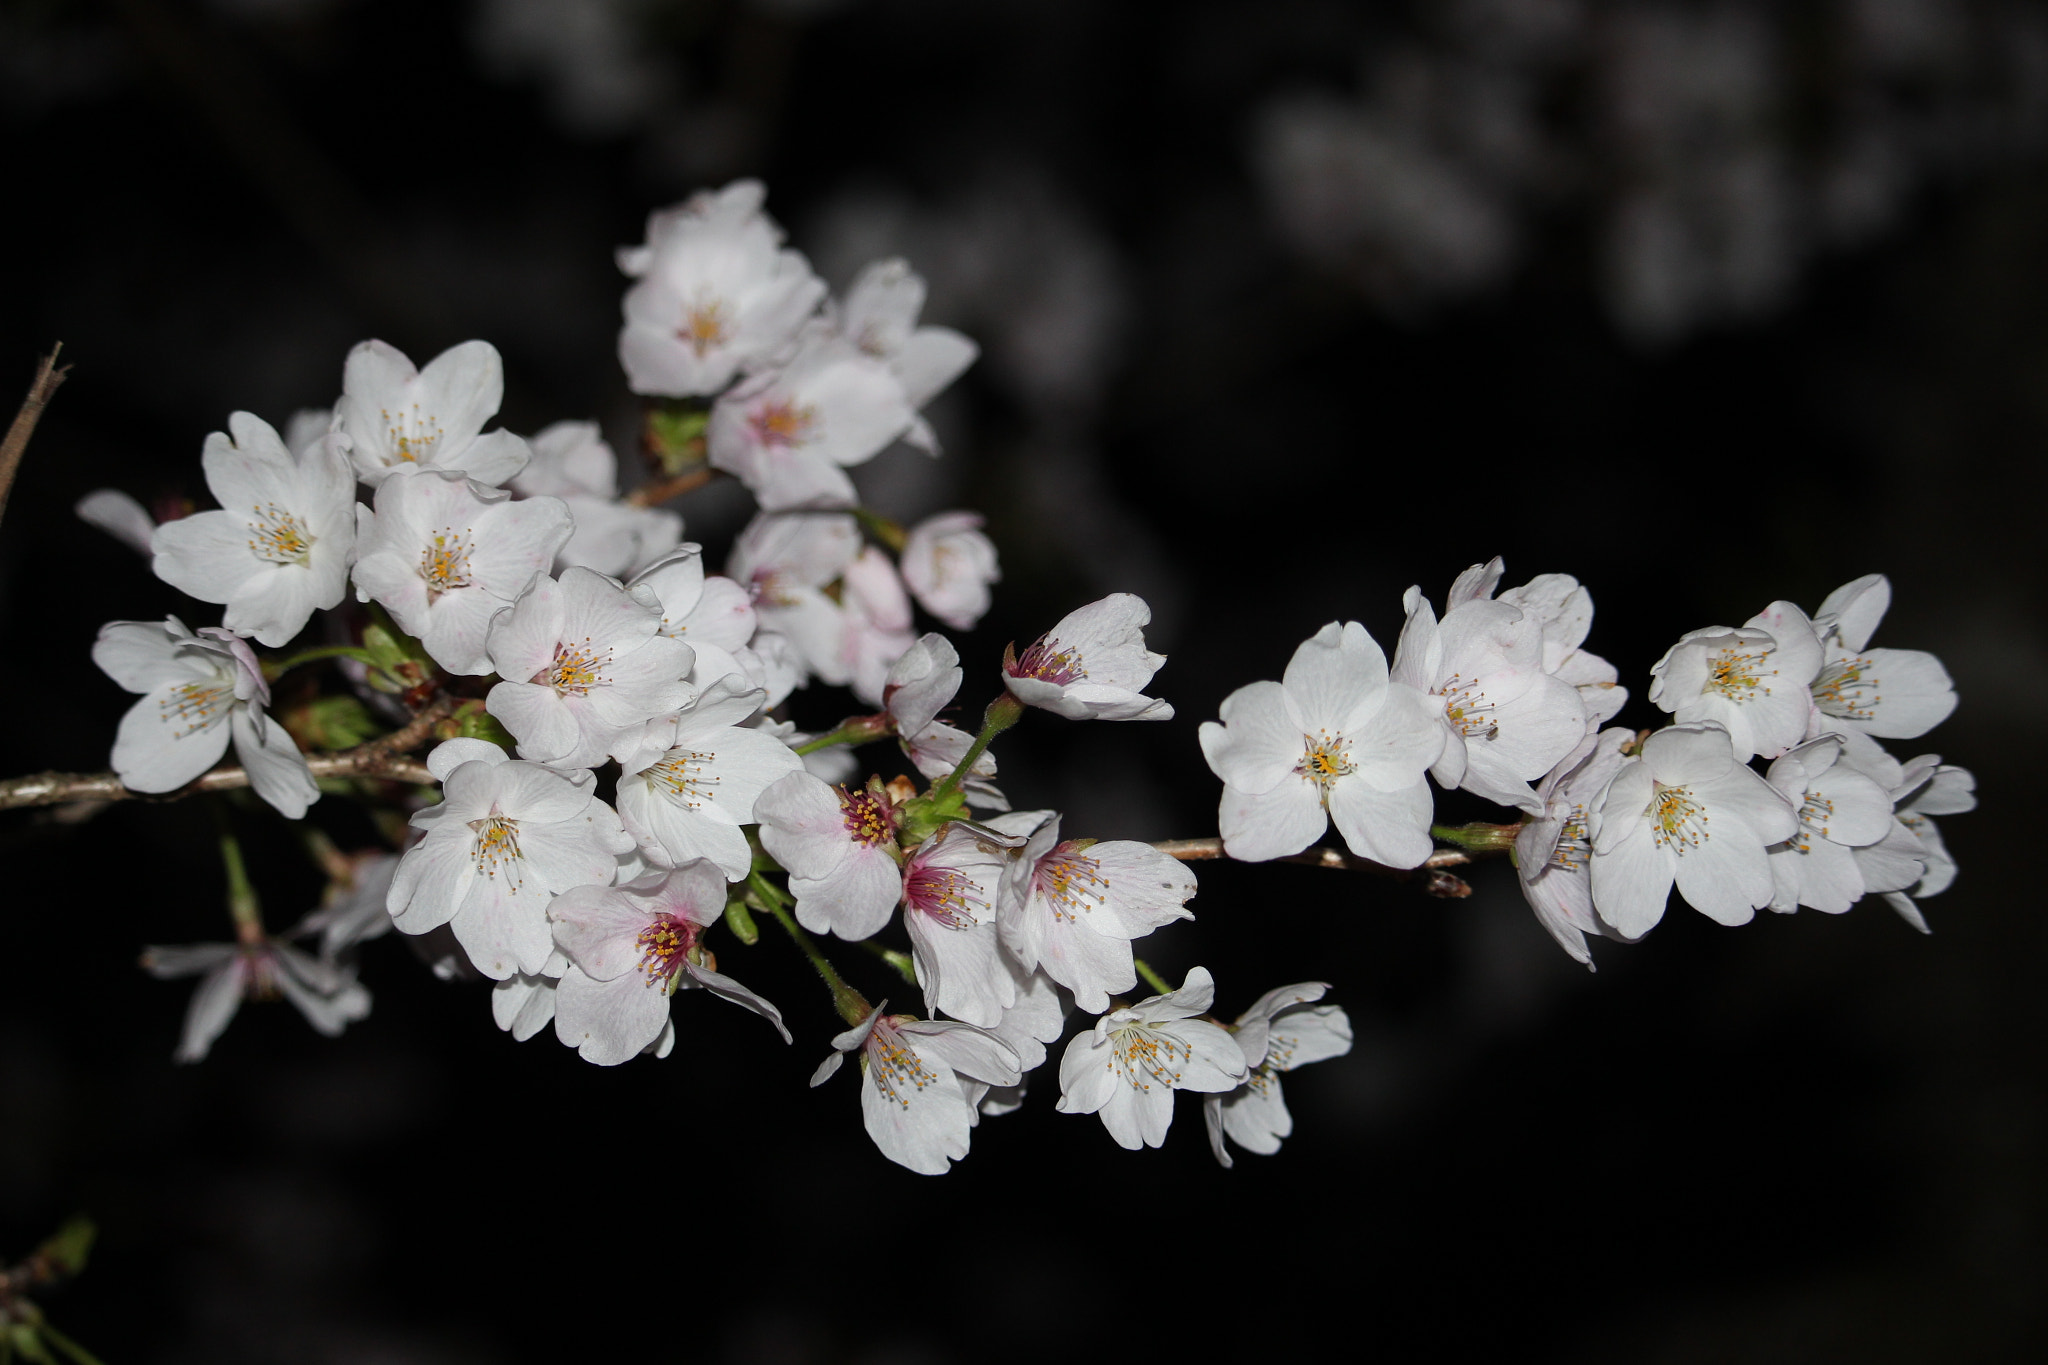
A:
<point x="1676" y="820"/>
<point x="944" y="895"/>
<point x="895" y="1068"/>
<point x="664" y="946"/>
<point x="1072" y="884"/>
<point x="496" y="848"/>
<point x="278" y="536"/>
<point x="576" y="669"/>
<point x="1573" y="847"/>
<point x="782" y="423"/>
<point x="867" y="817"/>
<point x="1047" y="662"/>
<point x="705" y="325"/>
<point x="1738" y="674"/>
<point x="1146" y="1055"/>
<point x="687" y="776"/>
<point x="444" y="563"/>
<point x="1842" y="689"/>
<point x="196" y="706"/>
<point x="1324" y="759"/>
<point x="1467" y="709"/>
<point x="1815" y="814"/>
<point x="412" y="436"/>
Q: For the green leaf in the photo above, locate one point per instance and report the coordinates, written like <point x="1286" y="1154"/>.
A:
<point x="68" y="1246"/>
<point x="473" y="722"/>
<point x="331" y="723"/>
<point x="675" y="435"/>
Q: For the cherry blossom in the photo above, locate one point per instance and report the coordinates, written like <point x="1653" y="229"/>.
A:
<point x="788" y="434"/>
<point x="952" y="889"/>
<point x="398" y="417"/>
<point x="711" y="614"/>
<point x="1840" y="810"/>
<point x="1127" y="1067"/>
<point x="1554" y="849"/>
<point x="715" y="293"/>
<point x="948" y="565"/>
<point x="689" y="782"/>
<point x="279" y="550"/>
<point x="839" y="847"/>
<point x="522" y="1004"/>
<point x="875" y="623"/>
<point x="1505" y="720"/>
<point x="786" y="561"/>
<point x="920" y="684"/>
<point x="199" y="691"/>
<point x="585" y="667"/>
<point x="1093" y="665"/>
<point x="1889" y="693"/>
<point x="879" y="317"/>
<point x="1284" y="1029"/>
<point x="1752" y="681"/>
<point x="328" y="995"/>
<point x="1334" y="740"/>
<point x="120" y="516"/>
<point x="444" y="555"/>
<point x="507" y="836"/>
<point x="920" y="1079"/>
<point x="571" y="461"/>
<point x="1564" y="611"/>
<point x="1685" y="810"/>
<point x="1071" y="907"/>
<point x="630" y="948"/>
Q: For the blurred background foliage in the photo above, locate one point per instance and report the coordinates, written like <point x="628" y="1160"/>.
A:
<point x="1284" y="306"/>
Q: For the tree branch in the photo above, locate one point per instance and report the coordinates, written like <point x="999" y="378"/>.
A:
<point x="655" y="494"/>
<point x="49" y="374"/>
<point x="385" y="757"/>
<point x="1433" y="873"/>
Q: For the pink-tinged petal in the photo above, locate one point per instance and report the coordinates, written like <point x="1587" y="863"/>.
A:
<point x="968" y="1050"/>
<point x="598" y="928"/>
<point x="1276" y="824"/>
<point x="915" y="1113"/>
<point x="523" y="1005"/>
<point x="492" y="459"/>
<point x="609" y="1022"/>
<point x="1093" y="966"/>
<point x="1631" y="883"/>
<point x="141" y="655"/>
<point x="855" y="901"/>
<point x="1399" y="744"/>
<point x="504" y="932"/>
<point x="522" y="640"/>
<point x="727" y="989"/>
<point x="461" y="389"/>
<point x="1336" y="678"/>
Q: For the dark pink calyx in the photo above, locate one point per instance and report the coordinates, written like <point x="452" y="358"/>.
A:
<point x="1047" y="662"/>
<point x="665" y="945"/>
<point x="868" y="816"/>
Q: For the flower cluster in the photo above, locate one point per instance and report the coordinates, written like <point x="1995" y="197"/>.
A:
<point x="616" y="788"/>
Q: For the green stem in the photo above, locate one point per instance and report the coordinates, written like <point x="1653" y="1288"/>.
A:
<point x="854" y="730"/>
<point x="1151" y="978"/>
<point x="851" y="1004"/>
<point x="273" y="669"/>
<point x="1477" y="837"/>
<point x="243" y="907"/>
<point x="67" y="1345"/>
<point x="888" y="533"/>
<point x="905" y="966"/>
<point x="1002" y="713"/>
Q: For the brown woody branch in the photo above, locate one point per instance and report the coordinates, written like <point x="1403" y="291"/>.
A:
<point x="49" y="374"/>
<point x="386" y="757"/>
<point x="1434" y="875"/>
<point x="659" y="492"/>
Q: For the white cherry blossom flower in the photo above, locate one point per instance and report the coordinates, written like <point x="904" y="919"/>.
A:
<point x="920" y="684"/>
<point x="1127" y="1067"/>
<point x="1505" y="720"/>
<point x="1752" y="681"/>
<point x="571" y="461"/>
<point x="1840" y="810"/>
<point x="1922" y="788"/>
<point x="523" y="1004"/>
<point x="880" y="318"/>
<point x="1333" y="740"/>
<point x="1685" y="810"/>
<point x="1072" y="907"/>
<point x="786" y="562"/>
<point x="506" y="838"/>
<point x="398" y="417"/>
<point x="715" y="294"/>
<point x="1284" y="1029"/>
<point x="630" y="948"/>
<point x="1554" y="850"/>
<point x="327" y="994"/>
<point x="711" y="614"/>
<point x="1564" y="611"/>
<point x="585" y="667"/>
<point x="1888" y="693"/>
<point x="691" y="781"/>
<point x="876" y="623"/>
<point x="916" y="1076"/>
<point x="948" y="564"/>
<point x="198" y="692"/>
<point x="280" y="548"/>
<point x="952" y="890"/>
<point x="789" y="434"/>
<point x="839" y="848"/>
<point x="1093" y="665"/>
<point x="444" y="555"/>
<point x="354" y="910"/>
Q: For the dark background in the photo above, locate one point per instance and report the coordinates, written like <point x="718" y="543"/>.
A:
<point x="1285" y="306"/>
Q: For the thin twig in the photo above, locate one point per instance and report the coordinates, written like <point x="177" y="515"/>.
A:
<point x="655" y="494"/>
<point x="1433" y="873"/>
<point x="49" y="374"/>
<point x="385" y="758"/>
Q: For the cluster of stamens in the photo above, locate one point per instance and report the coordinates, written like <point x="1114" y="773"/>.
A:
<point x="867" y="816"/>
<point x="1071" y="883"/>
<point x="1841" y="691"/>
<point x="664" y="945"/>
<point x="1815" y="812"/>
<point x="444" y="563"/>
<point x="1738" y="674"/>
<point x="1047" y="662"/>
<point x="278" y="536"/>
<point x="895" y="1068"/>
<point x="1573" y="847"/>
<point x="1324" y="759"/>
<point x="944" y="895"/>
<point x="1467" y="709"/>
<point x="496" y="848"/>
<point x="1145" y="1055"/>
<point x="704" y="326"/>
<point x="683" y="773"/>
<point x="782" y="423"/>
<point x="577" y="669"/>
<point x="1676" y="820"/>
<point x="412" y="436"/>
<point x="196" y="706"/>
